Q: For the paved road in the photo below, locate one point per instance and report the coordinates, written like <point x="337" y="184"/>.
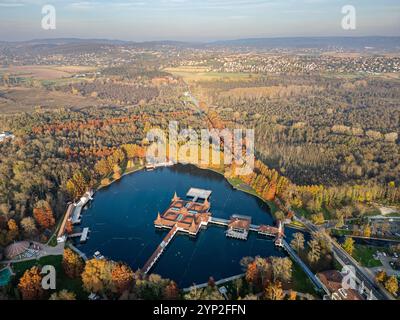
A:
<point x="362" y="274"/>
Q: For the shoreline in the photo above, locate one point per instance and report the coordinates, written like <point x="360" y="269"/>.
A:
<point x="249" y="191"/>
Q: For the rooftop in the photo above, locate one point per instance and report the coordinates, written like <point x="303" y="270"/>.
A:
<point x="332" y="279"/>
<point x="199" y="193"/>
<point x="187" y="215"/>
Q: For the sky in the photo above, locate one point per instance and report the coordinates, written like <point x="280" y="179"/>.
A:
<point x="196" y="20"/>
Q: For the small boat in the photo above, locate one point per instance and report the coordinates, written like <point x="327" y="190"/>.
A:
<point x="97" y="255"/>
<point x="150" y="167"/>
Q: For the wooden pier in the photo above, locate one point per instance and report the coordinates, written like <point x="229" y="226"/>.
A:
<point x="83" y="235"/>
<point x="160" y="249"/>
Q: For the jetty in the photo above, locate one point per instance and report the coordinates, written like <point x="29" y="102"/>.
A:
<point x="83" y="235"/>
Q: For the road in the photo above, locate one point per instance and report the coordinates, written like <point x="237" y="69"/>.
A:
<point x="345" y="259"/>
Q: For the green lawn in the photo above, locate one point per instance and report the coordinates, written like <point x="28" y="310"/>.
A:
<point x="364" y="255"/>
<point x="302" y="212"/>
<point x="340" y="232"/>
<point x="300" y="281"/>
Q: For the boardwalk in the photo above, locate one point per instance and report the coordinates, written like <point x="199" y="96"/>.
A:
<point x="218" y="221"/>
<point x="160" y="249"/>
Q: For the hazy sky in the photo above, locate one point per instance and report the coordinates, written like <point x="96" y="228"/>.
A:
<point x="197" y="20"/>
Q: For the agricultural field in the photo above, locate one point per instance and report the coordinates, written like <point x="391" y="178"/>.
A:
<point x="20" y="99"/>
<point x="45" y="72"/>
<point x="197" y="74"/>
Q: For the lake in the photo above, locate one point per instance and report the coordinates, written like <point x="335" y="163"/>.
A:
<point x="121" y="223"/>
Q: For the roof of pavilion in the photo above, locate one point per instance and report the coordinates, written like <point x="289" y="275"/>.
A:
<point x="239" y="223"/>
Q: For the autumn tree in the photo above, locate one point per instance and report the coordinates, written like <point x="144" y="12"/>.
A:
<point x="63" y="295"/>
<point x="392" y="285"/>
<point x="29" y="226"/>
<point x="122" y="278"/>
<point x="43" y="214"/>
<point x="323" y="241"/>
<point x="258" y="272"/>
<point x="30" y="284"/>
<point x="297" y="242"/>
<point x="292" y="295"/>
<point x="69" y="227"/>
<point x="381" y="276"/>
<point x="314" y="252"/>
<point x="103" y="167"/>
<point x="13" y="230"/>
<point x="348" y="245"/>
<point x="281" y="269"/>
<point x="96" y="276"/>
<point x="72" y="263"/>
<point x="251" y="272"/>
<point x="274" y="291"/>
<point x="367" y="231"/>
<point x="171" y="291"/>
<point x="317" y="218"/>
<point x="78" y="184"/>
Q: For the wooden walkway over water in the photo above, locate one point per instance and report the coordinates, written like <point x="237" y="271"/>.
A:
<point x="83" y="235"/>
<point x="160" y="249"/>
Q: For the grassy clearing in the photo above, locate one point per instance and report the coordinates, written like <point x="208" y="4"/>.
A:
<point x="341" y="232"/>
<point x="364" y="255"/>
<point x="300" y="281"/>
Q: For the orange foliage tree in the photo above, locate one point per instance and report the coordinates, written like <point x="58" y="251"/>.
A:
<point x="30" y="284"/>
<point x="96" y="276"/>
<point x="122" y="278"/>
<point x="72" y="264"/>
<point x="43" y="214"/>
<point x="171" y="291"/>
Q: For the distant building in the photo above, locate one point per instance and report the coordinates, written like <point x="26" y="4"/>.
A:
<point x="238" y="227"/>
<point x="6" y="135"/>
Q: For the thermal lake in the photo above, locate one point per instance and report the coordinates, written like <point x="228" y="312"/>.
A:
<point x="121" y="221"/>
